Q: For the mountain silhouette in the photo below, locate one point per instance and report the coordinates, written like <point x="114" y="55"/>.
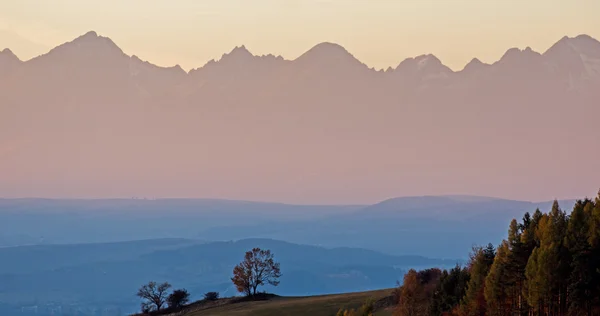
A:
<point x="475" y="66"/>
<point x="328" y="56"/>
<point x="86" y="119"/>
<point x="8" y="61"/>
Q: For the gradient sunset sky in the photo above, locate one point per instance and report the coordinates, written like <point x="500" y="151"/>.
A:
<point x="380" y="33"/>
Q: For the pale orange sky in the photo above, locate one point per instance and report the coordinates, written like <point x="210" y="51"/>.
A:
<point x="378" y="32"/>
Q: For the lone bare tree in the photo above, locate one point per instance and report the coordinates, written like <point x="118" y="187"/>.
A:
<point x="258" y="268"/>
<point x="154" y="295"/>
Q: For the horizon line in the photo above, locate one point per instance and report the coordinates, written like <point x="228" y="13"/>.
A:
<point x="281" y="202"/>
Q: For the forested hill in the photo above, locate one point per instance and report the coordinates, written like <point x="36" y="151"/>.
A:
<point x="548" y="265"/>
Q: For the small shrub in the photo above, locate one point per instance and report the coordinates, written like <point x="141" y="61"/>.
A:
<point x="178" y="298"/>
<point x="211" y="296"/>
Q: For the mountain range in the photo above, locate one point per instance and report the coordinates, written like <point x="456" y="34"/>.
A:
<point x="87" y="120"/>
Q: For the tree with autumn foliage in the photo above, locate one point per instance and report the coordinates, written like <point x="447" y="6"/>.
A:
<point x="498" y="284"/>
<point x="547" y="271"/>
<point x="258" y="268"/>
<point x="417" y="291"/>
<point x="506" y="279"/>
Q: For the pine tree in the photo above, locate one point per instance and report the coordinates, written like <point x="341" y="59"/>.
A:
<point x="533" y="288"/>
<point x="576" y="240"/>
<point x="530" y="241"/>
<point x="535" y="224"/>
<point x="518" y="255"/>
<point x="474" y="303"/>
<point x="560" y="222"/>
<point x="449" y="291"/>
<point x="496" y="287"/>
<point x="594" y="241"/>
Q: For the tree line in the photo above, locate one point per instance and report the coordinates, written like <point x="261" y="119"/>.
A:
<point x="549" y="265"/>
<point x="257" y="269"/>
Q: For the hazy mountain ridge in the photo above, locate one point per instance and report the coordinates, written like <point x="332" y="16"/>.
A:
<point x="577" y="58"/>
<point x="585" y="48"/>
<point x="442" y="225"/>
<point x="54" y="221"/>
<point x="391" y="226"/>
<point x="214" y="131"/>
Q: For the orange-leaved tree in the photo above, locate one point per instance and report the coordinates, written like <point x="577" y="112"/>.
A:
<point x="258" y="268"/>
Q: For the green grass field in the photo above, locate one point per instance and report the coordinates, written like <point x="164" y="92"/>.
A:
<point x="325" y="305"/>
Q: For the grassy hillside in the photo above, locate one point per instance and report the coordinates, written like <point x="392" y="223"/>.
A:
<point x="323" y="305"/>
<point x="60" y="275"/>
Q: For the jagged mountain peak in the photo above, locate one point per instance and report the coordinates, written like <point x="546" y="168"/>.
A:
<point x="87" y="46"/>
<point x="6" y="51"/>
<point x="177" y="68"/>
<point x="579" y="38"/>
<point x="575" y="58"/>
<point x="238" y="53"/>
<point x="427" y="60"/>
<point x="474" y="65"/>
<point x="475" y="62"/>
<point x="8" y="60"/>
<point x="240" y="50"/>
<point x="419" y="60"/>
<point x="271" y="56"/>
<point x="89" y="35"/>
<point x="92" y="38"/>
<point x="581" y="44"/>
<point x="519" y="56"/>
<point x="426" y="64"/>
<point x="517" y="51"/>
<point x="427" y="57"/>
<point x="238" y="59"/>
<point x="7" y="54"/>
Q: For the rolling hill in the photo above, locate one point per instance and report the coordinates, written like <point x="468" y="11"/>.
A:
<point x="62" y="221"/>
<point x="433" y="226"/>
<point x="430" y="226"/>
<point x="107" y="276"/>
<point x="325" y="305"/>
